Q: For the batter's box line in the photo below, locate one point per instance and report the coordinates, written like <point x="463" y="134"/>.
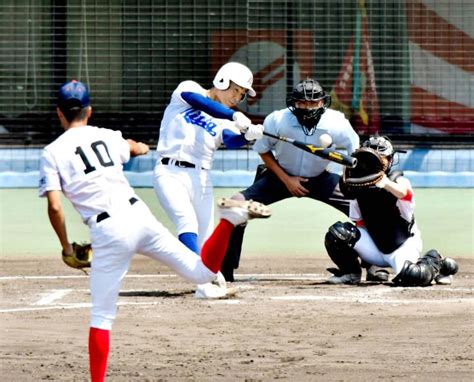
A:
<point x="249" y="276"/>
<point x="53" y="295"/>
<point x="74" y="306"/>
<point x="64" y="277"/>
<point x="343" y="299"/>
<point x="371" y="300"/>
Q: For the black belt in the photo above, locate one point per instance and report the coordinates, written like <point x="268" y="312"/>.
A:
<point x="104" y="215"/>
<point x="179" y="163"/>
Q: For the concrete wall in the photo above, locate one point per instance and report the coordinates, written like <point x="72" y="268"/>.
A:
<point x="236" y="168"/>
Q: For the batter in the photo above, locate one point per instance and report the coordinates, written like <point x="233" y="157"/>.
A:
<point x="195" y="124"/>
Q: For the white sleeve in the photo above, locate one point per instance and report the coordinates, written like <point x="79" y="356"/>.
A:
<point x="49" y="175"/>
<point x="122" y="145"/>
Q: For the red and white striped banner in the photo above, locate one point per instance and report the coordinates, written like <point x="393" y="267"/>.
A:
<point x="442" y="66"/>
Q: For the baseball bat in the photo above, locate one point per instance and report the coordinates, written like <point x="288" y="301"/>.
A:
<point x="323" y="152"/>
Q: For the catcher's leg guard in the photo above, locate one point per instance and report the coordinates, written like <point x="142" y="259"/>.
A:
<point x="448" y="267"/>
<point x="422" y="272"/>
<point x="339" y="242"/>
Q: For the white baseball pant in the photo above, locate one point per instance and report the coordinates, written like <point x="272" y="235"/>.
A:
<point x="133" y="229"/>
<point x="187" y="197"/>
<point x="409" y="250"/>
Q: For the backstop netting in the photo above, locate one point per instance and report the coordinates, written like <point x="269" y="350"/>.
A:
<point x="403" y="68"/>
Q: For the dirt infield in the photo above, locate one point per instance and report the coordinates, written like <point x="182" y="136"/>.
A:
<point x="284" y="323"/>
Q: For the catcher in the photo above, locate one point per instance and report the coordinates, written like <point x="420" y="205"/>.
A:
<point x="384" y="232"/>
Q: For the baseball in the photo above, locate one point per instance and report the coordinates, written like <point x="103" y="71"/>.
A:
<point x="325" y="140"/>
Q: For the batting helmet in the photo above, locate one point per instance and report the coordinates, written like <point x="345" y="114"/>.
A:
<point x="238" y="74"/>
<point x="308" y="90"/>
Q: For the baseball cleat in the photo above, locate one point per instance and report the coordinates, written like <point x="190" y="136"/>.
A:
<point x="349" y="278"/>
<point x="444" y="280"/>
<point x="211" y="291"/>
<point x="220" y="281"/>
<point x="244" y="209"/>
<point x="376" y="274"/>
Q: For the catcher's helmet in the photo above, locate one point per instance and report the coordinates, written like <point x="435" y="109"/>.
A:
<point x="308" y="90"/>
<point x="381" y="144"/>
<point x="238" y="74"/>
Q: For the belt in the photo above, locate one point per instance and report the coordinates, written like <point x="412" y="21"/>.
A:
<point x="179" y="163"/>
<point x="104" y="215"/>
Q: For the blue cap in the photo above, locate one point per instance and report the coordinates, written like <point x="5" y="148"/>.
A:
<point x="73" y="94"/>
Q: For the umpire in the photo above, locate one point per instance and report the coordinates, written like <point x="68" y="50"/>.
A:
<point x="289" y="171"/>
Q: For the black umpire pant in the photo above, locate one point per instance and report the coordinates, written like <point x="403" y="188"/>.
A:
<point x="268" y="189"/>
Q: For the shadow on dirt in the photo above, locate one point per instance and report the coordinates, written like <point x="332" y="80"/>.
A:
<point x="158" y="293"/>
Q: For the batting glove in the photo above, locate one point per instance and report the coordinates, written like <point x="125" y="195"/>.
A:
<point x="241" y="121"/>
<point x="254" y="132"/>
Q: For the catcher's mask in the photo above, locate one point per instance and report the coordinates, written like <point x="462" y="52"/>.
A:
<point x="382" y="145"/>
<point x="308" y="90"/>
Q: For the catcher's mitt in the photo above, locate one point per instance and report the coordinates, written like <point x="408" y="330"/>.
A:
<point x="369" y="170"/>
<point x="80" y="257"/>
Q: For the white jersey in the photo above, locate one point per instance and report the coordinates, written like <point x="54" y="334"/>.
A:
<point x="86" y="164"/>
<point x="190" y="135"/>
<point x="294" y="160"/>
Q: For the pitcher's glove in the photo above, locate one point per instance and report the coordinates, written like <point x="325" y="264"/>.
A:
<point x="369" y="170"/>
<point x="80" y="257"/>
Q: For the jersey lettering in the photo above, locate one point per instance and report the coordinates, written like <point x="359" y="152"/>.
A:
<point x="89" y="168"/>
<point x="195" y="117"/>
<point x="95" y="147"/>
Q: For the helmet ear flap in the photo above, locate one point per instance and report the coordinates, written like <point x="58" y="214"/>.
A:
<point x="221" y="82"/>
<point x="290" y="102"/>
<point x="327" y="101"/>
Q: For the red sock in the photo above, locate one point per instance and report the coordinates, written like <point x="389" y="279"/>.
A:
<point x="99" y="344"/>
<point x="214" y="249"/>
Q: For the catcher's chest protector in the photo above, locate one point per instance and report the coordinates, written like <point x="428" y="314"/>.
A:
<point x="382" y="218"/>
